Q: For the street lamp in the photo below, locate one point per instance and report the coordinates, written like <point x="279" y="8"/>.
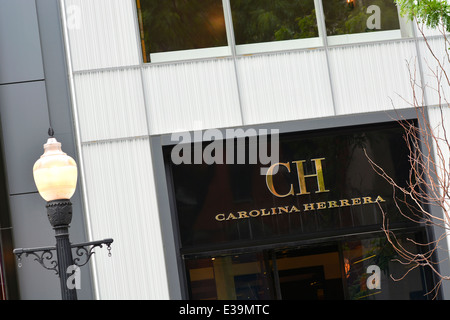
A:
<point x="55" y="175"/>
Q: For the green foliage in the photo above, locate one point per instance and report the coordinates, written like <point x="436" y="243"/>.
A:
<point x="307" y="26"/>
<point x="267" y="20"/>
<point x="430" y="12"/>
<point x="182" y="24"/>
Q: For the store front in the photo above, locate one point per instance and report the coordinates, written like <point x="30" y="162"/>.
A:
<point x="295" y="217"/>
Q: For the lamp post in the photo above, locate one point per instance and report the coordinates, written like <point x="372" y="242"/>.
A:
<point x="55" y="176"/>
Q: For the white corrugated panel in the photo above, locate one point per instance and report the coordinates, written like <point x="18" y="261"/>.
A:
<point x="372" y="77"/>
<point x="436" y="60"/>
<point x="110" y="104"/>
<point x="440" y="122"/>
<point x="284" y="86"/>
<point x="191" y="96"/>
<point x="123" y="206"/>
<point x="102" y="33"/>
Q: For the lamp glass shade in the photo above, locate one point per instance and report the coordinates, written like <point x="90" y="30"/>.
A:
<point x="55" y="173"/>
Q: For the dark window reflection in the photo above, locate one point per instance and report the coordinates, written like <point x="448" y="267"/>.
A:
<point x="233" y="277"/>
<point x="267" y="20"/>
<point x="181" y="24"/>
<point x="372" y="271"/>
<point x="357" y="16"/>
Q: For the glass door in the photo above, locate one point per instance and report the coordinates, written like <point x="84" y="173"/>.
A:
<point x="290" y="274"/>
<point x="245" y="276"/>
<point x="308" y="274"/>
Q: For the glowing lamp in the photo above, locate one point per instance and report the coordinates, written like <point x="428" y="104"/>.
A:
<point x="55" y="173"/>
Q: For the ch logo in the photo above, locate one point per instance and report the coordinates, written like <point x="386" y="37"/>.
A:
<point x="73" y="281"/>
<point x="301" y="177"/>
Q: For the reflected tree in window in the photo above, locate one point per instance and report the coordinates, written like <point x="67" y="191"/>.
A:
<point x="257" y="21"/>
<point x="358" y="16"/>
<point x="181" y="24"/>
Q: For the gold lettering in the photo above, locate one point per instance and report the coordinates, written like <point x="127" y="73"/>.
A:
<point x="243" y="214"/>
<point x="284" y="209"/>
<point x="289" y="209"/>
<point x="333" y="204"/>
<point x="319" y="175"/>
<point x="321" y="205"/>
<point x="231" y="216"/>
<point x="269" y="180"/>
<point x="367" y="200"/>
<point x="254" y="214"/>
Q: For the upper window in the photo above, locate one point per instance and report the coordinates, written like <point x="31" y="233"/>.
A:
<point x="345" y="17"/>
<point x="257" y="21"/>
<point x="180" y="25"/>
<point x="258" y="24"/>
<point x="187" y="29"/>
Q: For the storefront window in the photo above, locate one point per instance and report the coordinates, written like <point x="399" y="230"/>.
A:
<point x="232" y="277"/>
<point x="265" y="20"/>
<point x="373" y="273"/>
<point x="359" y="16"/>
<point x="357" y="269"/>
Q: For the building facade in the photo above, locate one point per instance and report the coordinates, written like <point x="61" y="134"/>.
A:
<point x="155" y="101"/>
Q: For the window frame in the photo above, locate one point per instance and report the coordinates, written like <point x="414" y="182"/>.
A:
<point x="235" y="50"/>
<point x="191" y="54"/>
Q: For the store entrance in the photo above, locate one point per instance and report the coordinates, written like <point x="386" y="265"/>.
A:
<point x="290" y="274"/>
<point x="348" y="268"/>
<point x="308" y="274"/>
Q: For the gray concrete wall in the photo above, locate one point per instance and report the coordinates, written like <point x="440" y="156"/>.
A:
<point x="34" y="93"/>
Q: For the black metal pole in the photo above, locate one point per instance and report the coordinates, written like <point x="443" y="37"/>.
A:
<point x="59" y="213"/>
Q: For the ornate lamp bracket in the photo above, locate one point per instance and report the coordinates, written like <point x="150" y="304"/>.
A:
<point x="42" y="255"/>
<point x="86" y="250"/>
<point x="46" y="258"/>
